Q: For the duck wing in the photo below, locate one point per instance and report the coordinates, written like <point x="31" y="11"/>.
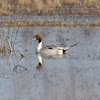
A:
<point x="57" y="47"/>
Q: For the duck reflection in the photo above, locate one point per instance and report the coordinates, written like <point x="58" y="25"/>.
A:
<point x="41" y="59"/>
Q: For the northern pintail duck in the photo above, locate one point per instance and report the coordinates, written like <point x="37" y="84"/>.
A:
<point x="50" y="50"/>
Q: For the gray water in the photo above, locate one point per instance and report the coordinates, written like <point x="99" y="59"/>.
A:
<point x="58" y="18"/>
<point x="73" y="77"/>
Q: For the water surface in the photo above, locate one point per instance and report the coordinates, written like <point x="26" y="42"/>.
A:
<point x="73" y="77"/>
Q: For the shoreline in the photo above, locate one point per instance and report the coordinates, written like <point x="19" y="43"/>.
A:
<point x="12" y="23"/>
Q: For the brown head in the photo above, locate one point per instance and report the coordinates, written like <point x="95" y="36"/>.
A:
<point x="38" y="37"/>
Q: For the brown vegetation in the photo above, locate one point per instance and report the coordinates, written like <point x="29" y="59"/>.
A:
<point x="5" y="47"/>
<point x="49" y="7"/>
<point x="69" y="23"/>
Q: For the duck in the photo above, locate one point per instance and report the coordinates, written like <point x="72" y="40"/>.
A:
<point x="52" y="50"/>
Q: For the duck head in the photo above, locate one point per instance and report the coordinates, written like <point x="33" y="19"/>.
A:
<point x="38" y="37"/>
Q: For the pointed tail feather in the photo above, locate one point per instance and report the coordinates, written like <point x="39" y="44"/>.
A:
<point x="66" y="48"/>
<point x="74" y="44"/>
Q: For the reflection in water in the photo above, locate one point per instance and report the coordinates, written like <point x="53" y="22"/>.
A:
<point x="40" y="59"/>
<point x="7" y="59"/>
<point x="16" y="68"/>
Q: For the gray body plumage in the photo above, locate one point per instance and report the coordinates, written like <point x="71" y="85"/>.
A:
<point x="52" y="50"/>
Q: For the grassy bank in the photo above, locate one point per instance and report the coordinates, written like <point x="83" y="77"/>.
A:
<point x="40" y="7"/>
<point x="70" y="23"/>
<point x="48" y="7"/>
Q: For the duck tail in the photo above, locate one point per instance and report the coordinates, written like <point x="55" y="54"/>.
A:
<point x="74" y="45"/>
<point x="66" y="48"/>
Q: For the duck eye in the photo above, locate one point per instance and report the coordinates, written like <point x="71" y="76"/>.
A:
<point x="49" y="48"/>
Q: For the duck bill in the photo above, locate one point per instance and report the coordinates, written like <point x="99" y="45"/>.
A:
<point x="34" y="38"/>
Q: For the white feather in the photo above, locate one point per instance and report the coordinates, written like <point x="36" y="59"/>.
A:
<point x="39" y="46"/>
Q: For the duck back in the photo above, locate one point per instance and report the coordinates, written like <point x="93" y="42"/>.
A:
<point x="51" y="51"/>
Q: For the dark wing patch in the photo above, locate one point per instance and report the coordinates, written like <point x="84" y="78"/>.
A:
<point x="49" y="48"/>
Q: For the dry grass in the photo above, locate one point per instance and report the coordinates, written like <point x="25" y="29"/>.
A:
<point x="70" y="1"/>
<point x="69" y="23"/>
<point x="5" y="47"/>
<point x="49" y="6"/>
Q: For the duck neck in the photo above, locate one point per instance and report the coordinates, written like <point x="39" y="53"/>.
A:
<point x="39" y="46"/>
